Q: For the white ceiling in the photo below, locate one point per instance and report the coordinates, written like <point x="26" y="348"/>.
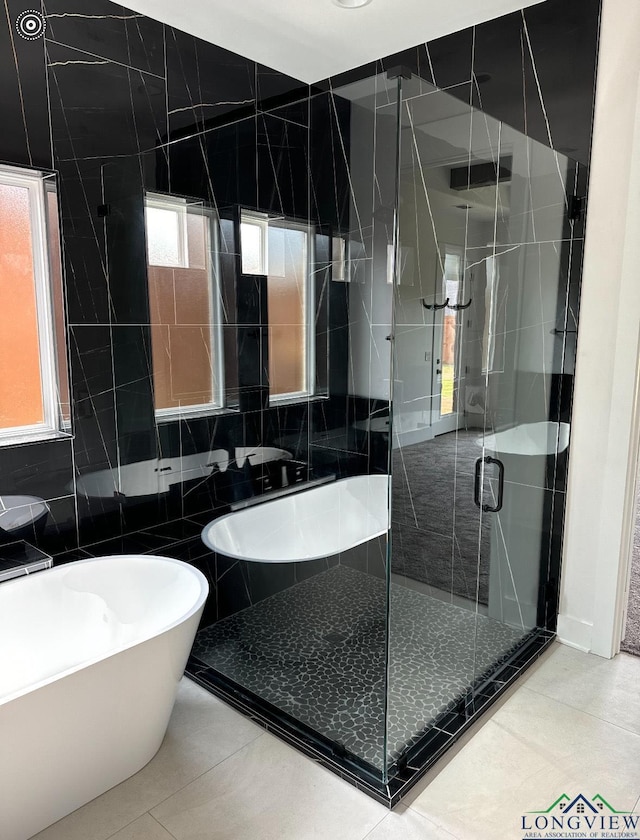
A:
<point x="313" y="39"/>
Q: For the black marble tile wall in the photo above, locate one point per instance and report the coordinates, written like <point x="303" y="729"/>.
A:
<point x="23" y="99"/>
<point x="274" y="88"/>
<point x="131" y="120"/>
<point x="102" y="99"/>
<point x="283" y="160"/>
<point x="330" y="153"/>
<point x="123" y="198"/>
<point x="84" y="242"/>
<point x="206" y="85"/>
<point x="108" y="30"/>
<point x="94" y="409"/>
<point x="34" y="472"/>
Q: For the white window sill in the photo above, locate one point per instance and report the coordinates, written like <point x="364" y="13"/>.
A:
<point x="33" y="437"/>
<point x="186" y="414"/>
<point x="297" y="399"/>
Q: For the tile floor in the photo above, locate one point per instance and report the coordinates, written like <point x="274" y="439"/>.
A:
<point x="571" y="725"/>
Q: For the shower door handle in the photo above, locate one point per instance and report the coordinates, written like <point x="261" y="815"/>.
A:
<point x="488" y="508"/>
<point x="477" y="479"/>
<point x="476" y="482"/>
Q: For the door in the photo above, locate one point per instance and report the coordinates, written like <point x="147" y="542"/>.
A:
<point x="476" y="506"/>
<point x="446" y="353"/>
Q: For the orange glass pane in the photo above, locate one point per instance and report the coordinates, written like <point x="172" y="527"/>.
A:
<point x="21" y="401"/>
<point x="180" y="306"/>
<point x="191" y="375"/>
<point x="287" y="306"/>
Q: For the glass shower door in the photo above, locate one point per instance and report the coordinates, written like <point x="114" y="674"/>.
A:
<point x="472" y="502"/>
<point x="524" y="434"/>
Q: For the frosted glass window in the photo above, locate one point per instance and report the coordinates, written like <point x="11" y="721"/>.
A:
<point x="280" y="250"/>
<point x="185" y="311"/>
<point x="288" y="300"/>
<point x="165" y="235"/>
<point x="20" y="384"/>
<point x="253" y="243"/>
<point x="34" y="394"/>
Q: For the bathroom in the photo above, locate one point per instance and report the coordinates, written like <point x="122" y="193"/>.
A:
<point x="313" y="335"/>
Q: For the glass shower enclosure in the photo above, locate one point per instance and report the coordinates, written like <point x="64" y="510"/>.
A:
<point x="454" y="254"/>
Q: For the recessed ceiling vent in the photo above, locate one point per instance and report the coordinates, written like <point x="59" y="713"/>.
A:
<point x="480" y="174"/>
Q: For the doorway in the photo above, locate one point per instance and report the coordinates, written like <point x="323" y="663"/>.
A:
<point x="447" y="344"/>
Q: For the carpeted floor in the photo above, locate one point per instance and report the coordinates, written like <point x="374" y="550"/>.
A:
<point x="631" y="641"/>
<point x="438" y="535"/>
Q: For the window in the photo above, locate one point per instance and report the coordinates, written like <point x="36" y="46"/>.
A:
<point x="282" y="250"/>
<point x="185" y="308"/>
<point x="254" y="231"/>
<point x="34" y="386"/>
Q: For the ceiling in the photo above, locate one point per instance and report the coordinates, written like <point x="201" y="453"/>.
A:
<point x="313" y="39"/>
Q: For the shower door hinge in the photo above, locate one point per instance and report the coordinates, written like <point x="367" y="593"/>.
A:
<point x="104" y="210"/>
<point x="576" y="208"/>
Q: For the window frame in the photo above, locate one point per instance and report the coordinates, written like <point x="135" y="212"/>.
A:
<point x="264" y="220"/>
<point x="52" y="426"/>
<point x="166" y="201"/>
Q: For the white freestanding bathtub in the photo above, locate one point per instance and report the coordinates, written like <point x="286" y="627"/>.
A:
<point x="91" y="654"/>
<point x="314" y="523"/>
<point x="544" y="438"/>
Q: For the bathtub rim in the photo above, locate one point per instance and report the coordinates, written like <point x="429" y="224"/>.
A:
<point x="562" y="429"/>
<point x="144" y="637"/>
<point x="264" y="562"/>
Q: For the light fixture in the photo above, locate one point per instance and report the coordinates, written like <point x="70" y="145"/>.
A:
<point x="351" y="4"/>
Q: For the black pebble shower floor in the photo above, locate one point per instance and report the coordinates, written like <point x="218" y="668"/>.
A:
<point x="317" y="652"/>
